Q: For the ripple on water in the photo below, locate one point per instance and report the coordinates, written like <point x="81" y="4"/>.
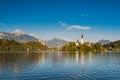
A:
<point x="63" y="66"/>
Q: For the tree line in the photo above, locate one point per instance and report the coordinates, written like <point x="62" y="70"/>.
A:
<point x="113" y="45"/>
<point x="12" y="45"/>
<point x="71" y="46"/>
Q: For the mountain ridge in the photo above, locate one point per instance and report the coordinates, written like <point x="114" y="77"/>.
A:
<point x="18" y="36"/>
<point x="55" y="42"/>
<point x="103" y="41"/>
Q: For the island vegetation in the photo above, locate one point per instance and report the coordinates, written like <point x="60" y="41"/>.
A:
<point x="83" y="47"/>
<point x="87" y="46"/>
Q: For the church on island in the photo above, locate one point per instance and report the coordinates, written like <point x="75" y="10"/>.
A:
<point x="81" y="45"/>
<point x="81" y="41"/>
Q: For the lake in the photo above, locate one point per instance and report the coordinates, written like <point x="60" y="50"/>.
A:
<point x="60" y="65"/>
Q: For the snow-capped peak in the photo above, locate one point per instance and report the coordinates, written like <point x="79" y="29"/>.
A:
<point x="18" y="32"/>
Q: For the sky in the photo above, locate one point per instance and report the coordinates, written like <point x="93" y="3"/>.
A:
<point x="66" y="19"/>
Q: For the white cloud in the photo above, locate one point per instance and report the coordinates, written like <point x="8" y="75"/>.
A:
<point x="83" y="15"/>
<point x="77" y="27"/>
<point x="62" y="23"/>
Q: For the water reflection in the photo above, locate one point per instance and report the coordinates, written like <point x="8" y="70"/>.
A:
<point x="58" y="63"/>
<point x="16" y="60"/>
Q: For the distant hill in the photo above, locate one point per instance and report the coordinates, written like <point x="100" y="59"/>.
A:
<point x="113" y="45"/>
<point x="18" y="36"/>
<point x="56" y="43"/>
<point x="12" y="45"/>
<point x="104" y="41"/>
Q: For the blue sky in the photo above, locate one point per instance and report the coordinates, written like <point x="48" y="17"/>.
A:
<point x="67" y="19"/>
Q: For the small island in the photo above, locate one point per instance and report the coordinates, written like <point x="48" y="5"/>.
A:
<point x="87" y="46"/>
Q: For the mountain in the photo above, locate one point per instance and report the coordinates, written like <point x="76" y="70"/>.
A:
<point x="18" y="32"/>
<point x="18" y="35"/>
<point x="25" y="38"/>
<point x="12" y="45"/>
<point x="56" y="43"/>
<point x="104" y="41"/>
<point x="113" y="45"/>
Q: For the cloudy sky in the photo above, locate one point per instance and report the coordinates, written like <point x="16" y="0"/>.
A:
<point x="67" y="19"/>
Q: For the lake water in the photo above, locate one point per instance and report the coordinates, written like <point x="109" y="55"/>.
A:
<point x="59" y="65"/>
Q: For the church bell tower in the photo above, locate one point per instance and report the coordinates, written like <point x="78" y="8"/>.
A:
<point x="82" y="39"/>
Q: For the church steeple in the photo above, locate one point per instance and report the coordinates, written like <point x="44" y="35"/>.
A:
<point x="82" y="36"/>
<point x="82" y="39"/>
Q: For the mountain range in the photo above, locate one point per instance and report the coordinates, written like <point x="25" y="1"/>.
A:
<point x="18" y="36"/>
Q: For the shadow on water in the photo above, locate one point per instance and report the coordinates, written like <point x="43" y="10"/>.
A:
<point x="59" y="65"/>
